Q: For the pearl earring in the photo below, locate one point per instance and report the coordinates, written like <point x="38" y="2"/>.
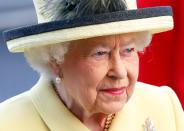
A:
<point x="58" y="80"/>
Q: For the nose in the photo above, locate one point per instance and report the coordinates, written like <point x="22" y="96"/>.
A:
<point x="117" y="68"/>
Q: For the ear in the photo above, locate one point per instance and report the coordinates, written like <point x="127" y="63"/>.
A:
<point x="54" y="67"/>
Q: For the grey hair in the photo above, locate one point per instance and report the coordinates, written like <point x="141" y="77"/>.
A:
<point x="69" y="9"/>
<point x="143" y="39"/>
<point x="39" y="57"/>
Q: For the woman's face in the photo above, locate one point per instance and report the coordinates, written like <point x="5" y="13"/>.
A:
<point x="99" y="73"/>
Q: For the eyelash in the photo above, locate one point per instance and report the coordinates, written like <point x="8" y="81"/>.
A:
<point x="101" y="53"/>
<point x="124" y="52"/>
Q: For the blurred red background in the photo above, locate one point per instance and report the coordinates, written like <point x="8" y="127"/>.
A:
<point x="163" y="61"/>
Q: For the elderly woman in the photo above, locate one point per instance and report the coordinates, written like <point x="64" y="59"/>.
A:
<point x="86" y="55"/>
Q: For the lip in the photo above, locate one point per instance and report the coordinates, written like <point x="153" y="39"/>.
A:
<point x="114" y="91"/>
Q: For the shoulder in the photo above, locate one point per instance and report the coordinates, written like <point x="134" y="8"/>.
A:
<point x="160" y="101"/>
<point x="18" y="113"/>
<point x="155" y="94"/>
<point x="14" y="105"/>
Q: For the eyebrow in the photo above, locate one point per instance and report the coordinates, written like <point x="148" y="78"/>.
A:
<point x="122" y="43"/>
<point x="103" y="45"/>
<point x="126" y="43"/>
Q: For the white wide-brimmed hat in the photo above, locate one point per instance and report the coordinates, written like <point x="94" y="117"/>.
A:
<point x="61" y="21"/>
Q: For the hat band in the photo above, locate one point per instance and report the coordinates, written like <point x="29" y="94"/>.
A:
<point x="88" y="20"/>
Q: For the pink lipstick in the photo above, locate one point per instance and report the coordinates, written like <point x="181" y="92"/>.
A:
<point x="114" y="91"/>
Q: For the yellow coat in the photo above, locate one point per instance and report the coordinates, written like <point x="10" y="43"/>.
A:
<point x="39" y="109"/>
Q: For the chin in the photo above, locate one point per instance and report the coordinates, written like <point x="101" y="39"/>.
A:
<point x="113" y="108"/>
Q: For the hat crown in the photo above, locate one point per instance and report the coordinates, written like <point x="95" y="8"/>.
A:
<point x="51" y="10"/>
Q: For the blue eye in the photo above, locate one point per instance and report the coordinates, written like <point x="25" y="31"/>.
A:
<point x="129" y="50"/>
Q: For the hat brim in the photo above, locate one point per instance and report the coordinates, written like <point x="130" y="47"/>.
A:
<point x="155" y="20"/>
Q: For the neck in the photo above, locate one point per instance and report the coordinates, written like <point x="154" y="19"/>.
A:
<point x="94" y="121"/>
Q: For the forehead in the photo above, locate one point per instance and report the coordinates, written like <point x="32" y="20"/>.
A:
<point x="104" y="41"/>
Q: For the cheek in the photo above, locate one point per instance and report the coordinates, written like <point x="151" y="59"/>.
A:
<point x="77" y="81"/>
<point x="90" y="73"/>
<point x="83" y="78"/>
<point x="133" y="71"/>
<point x="133" y="67"/>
